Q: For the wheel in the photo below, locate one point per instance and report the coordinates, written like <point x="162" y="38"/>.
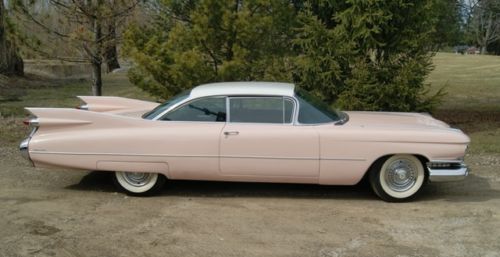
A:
<point x="397" y="178"/>
<point x="137" y="183"/>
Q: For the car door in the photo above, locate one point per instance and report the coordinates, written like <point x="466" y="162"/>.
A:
<point x="260" y="140"/>
<point x="190" y="138"/>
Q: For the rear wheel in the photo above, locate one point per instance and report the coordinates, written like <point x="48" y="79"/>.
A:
<point x="397" y="178"/>
<point x="138" y="183"/>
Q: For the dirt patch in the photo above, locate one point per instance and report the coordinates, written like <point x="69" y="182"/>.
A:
<point x="71" y="213"/>
<point x="39" y="228"/>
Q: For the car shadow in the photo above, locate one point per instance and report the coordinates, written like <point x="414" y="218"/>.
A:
<point x="102" y="181"/>
<point x="95" y="181"/>
<point x="472" y="189"/>
<point x="273" y="190"/>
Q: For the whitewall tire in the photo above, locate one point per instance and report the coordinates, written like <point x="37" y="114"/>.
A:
<point x="397" y="178"/>
<point x="138" y="183"/>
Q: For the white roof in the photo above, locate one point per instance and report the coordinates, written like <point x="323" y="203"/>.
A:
<point x="243" y="88"/>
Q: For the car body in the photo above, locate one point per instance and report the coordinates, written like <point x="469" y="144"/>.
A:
<point x="243" y="131"/>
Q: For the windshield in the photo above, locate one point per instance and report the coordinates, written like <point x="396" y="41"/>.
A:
<point x="162" y="107"/>
<point x="313" y="111"/>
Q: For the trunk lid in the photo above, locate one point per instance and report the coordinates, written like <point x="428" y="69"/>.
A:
<point x="394" y="119"/>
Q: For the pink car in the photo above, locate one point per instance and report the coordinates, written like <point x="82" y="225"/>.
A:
<point x="246" y="131"/>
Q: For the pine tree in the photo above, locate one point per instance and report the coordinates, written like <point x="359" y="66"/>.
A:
<point x="212" y="40"/>
<point x="376" y="56"/>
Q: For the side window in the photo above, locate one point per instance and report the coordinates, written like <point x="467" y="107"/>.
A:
<point x="261" y="109"/>
<point x="205" y="109"/>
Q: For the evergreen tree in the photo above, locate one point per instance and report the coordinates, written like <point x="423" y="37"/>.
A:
<point x="357" y="54"/>
<point x="195" y="42"/>
<point x="375" y="57"/>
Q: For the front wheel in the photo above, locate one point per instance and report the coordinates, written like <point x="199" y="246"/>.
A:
<point x="138" y="183"/>
<point x="397" y="178"/>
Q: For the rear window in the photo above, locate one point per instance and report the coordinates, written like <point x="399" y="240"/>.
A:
<point x="260" y="109"/>
<point x="313" y="111"/>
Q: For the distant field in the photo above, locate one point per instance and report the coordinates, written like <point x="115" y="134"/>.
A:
<point x="472" y="81"/>
<point x="46" y="92"/>
<point x="473" y="100"/>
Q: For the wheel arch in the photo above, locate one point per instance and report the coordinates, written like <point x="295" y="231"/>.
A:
<point x="377" y="163"/>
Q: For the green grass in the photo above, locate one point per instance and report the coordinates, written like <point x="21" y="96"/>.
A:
<point x="487" y="141"/>
<point x="471" y="81"/>
<point x="472" y="102"/>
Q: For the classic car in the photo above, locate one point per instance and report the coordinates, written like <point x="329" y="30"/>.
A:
<point x="248" y="132"/>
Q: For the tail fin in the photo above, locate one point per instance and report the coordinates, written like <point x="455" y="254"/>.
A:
<point x="115" y="104"/>
<point x="67" y="117"/>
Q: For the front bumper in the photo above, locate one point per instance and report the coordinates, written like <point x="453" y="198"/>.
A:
<point x="445" y="171"/>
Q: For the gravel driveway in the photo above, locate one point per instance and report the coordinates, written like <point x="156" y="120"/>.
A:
<point x="73" y="213"/>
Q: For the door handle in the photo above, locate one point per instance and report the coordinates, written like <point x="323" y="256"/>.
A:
<point x="229" y="133"/>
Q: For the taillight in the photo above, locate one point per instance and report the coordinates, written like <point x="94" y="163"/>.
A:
<point x="31" y="122"/>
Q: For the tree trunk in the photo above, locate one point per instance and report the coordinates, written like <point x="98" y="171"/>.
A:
<point x="483" y="49"/>
<point x="10" y="61"/>
<point x="111" y="53"/>
<point x="96" y="56"/>
<point x="96" y="78"/>
<point x="486" y="38"/>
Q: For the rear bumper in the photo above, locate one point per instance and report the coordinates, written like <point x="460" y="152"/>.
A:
<point x="456" y="171"/>
<point x="24" y="149"/>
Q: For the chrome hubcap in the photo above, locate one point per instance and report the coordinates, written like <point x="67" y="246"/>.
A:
<point x="137" y="179"/>
<point x="401" y="175"/>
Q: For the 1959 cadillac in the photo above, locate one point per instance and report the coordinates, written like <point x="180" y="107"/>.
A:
<point x="246" y="131"/>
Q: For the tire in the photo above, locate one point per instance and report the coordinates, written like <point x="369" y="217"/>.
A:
<point x="139" y="184"/>
<point x="397" y="178"/>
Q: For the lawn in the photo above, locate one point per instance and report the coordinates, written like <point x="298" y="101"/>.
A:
<point x="472" y="103"/>
<point x="471" y="81"/>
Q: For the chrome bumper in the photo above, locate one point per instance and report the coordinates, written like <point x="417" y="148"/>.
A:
<point x="23" y="148"/>
<point x="456" y="171"/>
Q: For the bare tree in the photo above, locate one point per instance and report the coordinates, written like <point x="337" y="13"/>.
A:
<point x="484" y="21"/>
<point x="10" y="61"/>
<point x="82" y="23"/>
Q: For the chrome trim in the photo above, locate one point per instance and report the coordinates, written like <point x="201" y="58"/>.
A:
<point x="34" y="122"/>
<point x="447" y="161"/>
<point x="202" y="156"/>
<point x="33" y="132"/>
<point x="454" y="173"/>
<point x="344" y="159"/>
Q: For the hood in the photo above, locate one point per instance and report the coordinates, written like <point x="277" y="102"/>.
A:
<point x="394" y="119"/>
